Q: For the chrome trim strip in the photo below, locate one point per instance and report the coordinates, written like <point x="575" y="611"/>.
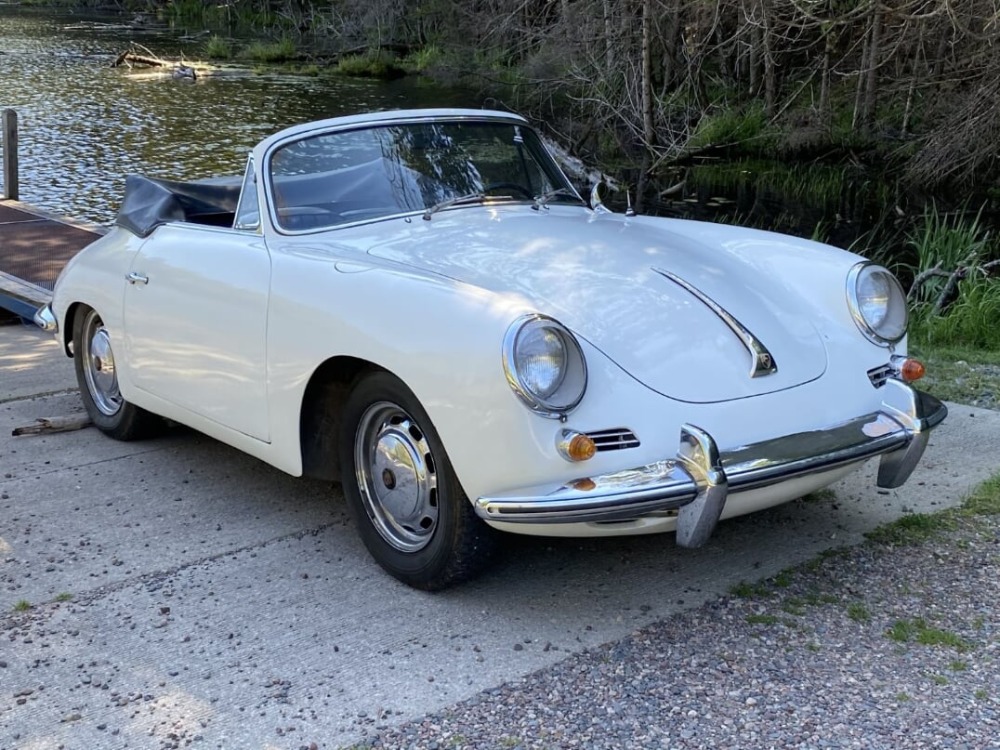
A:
<point x="617" y="439"/>
<point x="663" y="485"/>
<point x="46" y="320"/>
<point x="762" y="361"/>
<point x="703" y="477"/>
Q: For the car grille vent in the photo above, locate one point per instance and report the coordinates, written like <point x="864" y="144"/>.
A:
<point x="614" y="440"/>
<point x="878" y="375"/>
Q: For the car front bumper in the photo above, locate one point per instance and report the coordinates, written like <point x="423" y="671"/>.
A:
<point x="697" y="481"/>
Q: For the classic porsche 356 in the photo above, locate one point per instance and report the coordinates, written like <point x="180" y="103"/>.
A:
<point x="420" y="305"/>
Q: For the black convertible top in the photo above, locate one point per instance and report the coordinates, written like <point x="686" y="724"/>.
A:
<point x="151" y="202"/>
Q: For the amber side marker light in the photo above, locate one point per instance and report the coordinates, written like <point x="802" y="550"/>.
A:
<point x="575" y="446"/>
<point x="912" y="370"/>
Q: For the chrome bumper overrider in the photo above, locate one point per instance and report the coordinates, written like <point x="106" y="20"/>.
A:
<point x="46" y="319"/>
<point x="698" y="479"/>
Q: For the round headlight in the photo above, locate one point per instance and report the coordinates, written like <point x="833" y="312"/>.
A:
<point x="544" y="365"/>
<point x="877" y="303"/>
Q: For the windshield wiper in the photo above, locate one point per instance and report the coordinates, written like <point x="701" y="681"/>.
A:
<point x="544" y="198"/>
<point x="461" y="201"/>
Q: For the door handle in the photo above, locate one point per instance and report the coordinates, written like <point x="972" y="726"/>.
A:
<point x="136" y="278"/>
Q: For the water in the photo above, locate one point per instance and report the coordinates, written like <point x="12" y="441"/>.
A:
<point x="84" y="125"/>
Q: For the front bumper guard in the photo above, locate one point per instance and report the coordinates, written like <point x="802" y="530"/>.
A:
<point x="45" y="319"/>
<point x="698" y="480"/>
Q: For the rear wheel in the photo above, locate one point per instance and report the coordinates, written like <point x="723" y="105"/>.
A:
<point x="412" y="514"/>
<point x="94" y="360"/>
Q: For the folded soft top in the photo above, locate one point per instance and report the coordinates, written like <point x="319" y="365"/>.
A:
<point x="151" y="202"/>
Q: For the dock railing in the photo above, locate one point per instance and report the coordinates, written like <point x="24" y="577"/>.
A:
<point x="8" y="136"/>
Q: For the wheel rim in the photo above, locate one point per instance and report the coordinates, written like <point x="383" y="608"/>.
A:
<point x="99" y="366"/>
<point x="397" y="476"/>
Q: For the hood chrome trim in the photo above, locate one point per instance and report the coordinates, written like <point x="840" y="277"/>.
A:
<point x="762" y="361"/>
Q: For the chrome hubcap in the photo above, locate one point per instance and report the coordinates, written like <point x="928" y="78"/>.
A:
<point x="396" y="475"/>
<point x="99" y="367"/>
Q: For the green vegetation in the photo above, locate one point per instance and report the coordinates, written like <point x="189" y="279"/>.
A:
<point x="909" y="530"/>
<point x="858" y="612"/>
<point x="964" y="374"/>
<point x="372" y="64"/>
<point x="917" y="630"/>
<point x="279" y="51"/>
<point x="747" y="128"/>
<point x="218" y="48"/>
<point x="762" y="619"/>
<point x="745" y="590"/>
<point x="65" y="596"/>
<point x="22" y="606"/>
<point x="424" y="59"/>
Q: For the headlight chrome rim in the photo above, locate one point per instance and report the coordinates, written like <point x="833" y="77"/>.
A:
<point x="876" y="333"/>
<point x="572" y="382"/>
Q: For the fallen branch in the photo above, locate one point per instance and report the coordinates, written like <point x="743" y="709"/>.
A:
<point x="138" y="54"/>
<point x="46" y="425"/>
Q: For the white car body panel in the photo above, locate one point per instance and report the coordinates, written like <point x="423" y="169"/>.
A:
<point x="203" y="281"/>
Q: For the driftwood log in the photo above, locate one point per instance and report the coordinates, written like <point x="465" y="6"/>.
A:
<point x="46" y="425"/>
<point x="950" y="289"/>
<point x="137" y="54"/>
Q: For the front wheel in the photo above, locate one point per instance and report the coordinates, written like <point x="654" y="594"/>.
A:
<point x="411" y="512"/>
<point x="97" y="376"/>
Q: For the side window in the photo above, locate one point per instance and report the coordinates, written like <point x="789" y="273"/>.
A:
<point x="248" y="210"/>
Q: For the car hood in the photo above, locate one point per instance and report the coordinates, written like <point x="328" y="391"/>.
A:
<point x="606" y="278"/>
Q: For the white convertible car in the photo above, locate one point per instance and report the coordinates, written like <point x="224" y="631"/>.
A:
<point x="420" y="305"/>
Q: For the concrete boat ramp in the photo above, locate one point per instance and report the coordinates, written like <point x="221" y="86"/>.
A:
<point x="175" y="592"/>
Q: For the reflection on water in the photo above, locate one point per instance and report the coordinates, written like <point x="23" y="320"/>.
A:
<point x="85" y="125"/>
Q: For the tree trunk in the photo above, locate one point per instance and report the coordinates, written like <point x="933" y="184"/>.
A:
<point x="869" y="100"/>
<point x="648" y="129"/>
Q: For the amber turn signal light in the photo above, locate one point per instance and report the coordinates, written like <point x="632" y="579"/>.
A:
<point x="912" y="370"/>
<point x="575" y="446"/>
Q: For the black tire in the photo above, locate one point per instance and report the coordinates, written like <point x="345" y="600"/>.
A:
<point x="411" y="512"/>
<point x="93" y="359"/>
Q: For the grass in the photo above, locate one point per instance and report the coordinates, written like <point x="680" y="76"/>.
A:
<point x="947" y="242"/>
<point x="762" y="620"/>
<point x="958" y="373"/>
<point x="22" y="606"/>
<point x="917" y="630"/>
<point x="218" y="48"/>
<point x="985" y="499"/>
<point x="969" y="321"/>
<point x="744" y="590"/>
<point x="746" y="128"/>
<point x="282" y="50"/>
<point x="858" y="612"/>
<point x="423" y="59"/>
<point x="909" y="530"/>
<point x="372" y="64"/>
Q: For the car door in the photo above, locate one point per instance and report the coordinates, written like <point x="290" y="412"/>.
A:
<point x="196" y="322"/>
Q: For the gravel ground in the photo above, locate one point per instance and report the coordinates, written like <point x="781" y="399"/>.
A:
<point x="874" y="646"/>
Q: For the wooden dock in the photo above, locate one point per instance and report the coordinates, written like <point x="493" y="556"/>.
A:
<point x="34" y="247"/>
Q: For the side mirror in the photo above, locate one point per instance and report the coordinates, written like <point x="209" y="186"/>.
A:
<point x="595" y="199"/>
<point x="598" y="205"/>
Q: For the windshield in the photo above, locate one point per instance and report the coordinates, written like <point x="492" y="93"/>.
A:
<point x="346" y="176"/>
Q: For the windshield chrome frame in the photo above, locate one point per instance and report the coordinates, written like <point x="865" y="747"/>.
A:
<point x="268" y="187"/>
